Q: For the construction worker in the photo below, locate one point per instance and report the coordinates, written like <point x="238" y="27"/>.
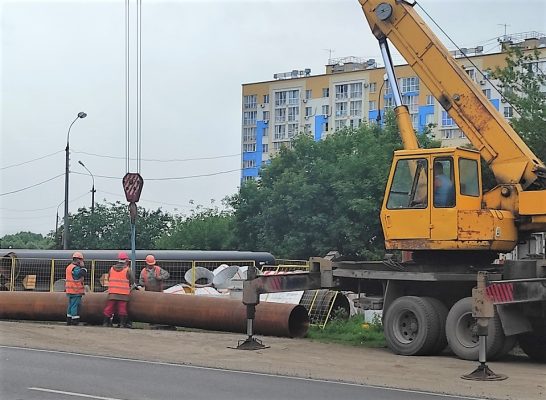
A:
<point x="120" y="281"/>
<point x="75" y="275"/>
<point x="152" y="276"/>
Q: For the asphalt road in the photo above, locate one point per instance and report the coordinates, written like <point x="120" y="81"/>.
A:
<point x="47" y="375"/>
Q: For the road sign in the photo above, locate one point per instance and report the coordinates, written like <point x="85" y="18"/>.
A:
<point x="132" y="185"/>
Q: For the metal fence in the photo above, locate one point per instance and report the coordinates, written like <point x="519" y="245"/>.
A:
<point x="47" y="275"/>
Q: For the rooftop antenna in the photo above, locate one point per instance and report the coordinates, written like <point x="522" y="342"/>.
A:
<point x="505" y="26"/>
<point x="330" y="51"/>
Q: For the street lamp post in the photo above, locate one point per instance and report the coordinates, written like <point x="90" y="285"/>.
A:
<point x="67" y="155"/>
<point x="57" y="223"/>
<point x="92" y="188"/>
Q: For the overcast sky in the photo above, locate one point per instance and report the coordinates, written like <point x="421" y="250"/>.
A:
<point x="62" y="57"/>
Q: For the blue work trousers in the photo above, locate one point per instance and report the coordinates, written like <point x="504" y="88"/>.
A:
<point x="74" y="305"/>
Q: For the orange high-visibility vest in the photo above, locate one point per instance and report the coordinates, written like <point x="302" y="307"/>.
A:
<point x="157" y="272"/>
<point x="118" y="282"/>
<point x="72" y="286"/>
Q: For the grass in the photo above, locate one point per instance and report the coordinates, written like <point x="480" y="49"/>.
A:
<point x="353" y="331"/>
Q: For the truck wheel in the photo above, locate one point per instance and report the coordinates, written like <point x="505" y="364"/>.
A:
<point x="534" y="345"/>
<point x="461" y="331"/>
<point x="411" y="326"/>
<point x="441" y="311"/>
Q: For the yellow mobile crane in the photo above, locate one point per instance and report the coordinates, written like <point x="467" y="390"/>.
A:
<point x="434" y="207"/>
<point x="414" y="215"/>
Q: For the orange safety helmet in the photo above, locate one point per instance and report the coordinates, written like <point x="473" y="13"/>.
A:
<point x="122" y="256"/>
<point x="77" y="254"/>
<point x="150" y="260"/>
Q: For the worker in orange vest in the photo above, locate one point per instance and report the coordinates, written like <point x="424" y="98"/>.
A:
<point x="120" y="281"/>
<point x="75" y="275"/>
<point x="152" y="276"/>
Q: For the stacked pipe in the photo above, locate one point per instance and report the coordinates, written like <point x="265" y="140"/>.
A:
<point x="212" y="313"/>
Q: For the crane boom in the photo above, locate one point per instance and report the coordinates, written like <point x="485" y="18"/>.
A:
<point x="500" y="146"/>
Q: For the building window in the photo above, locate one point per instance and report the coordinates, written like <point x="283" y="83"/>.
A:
<point x="340" y="124"/>
<point x="341" y="109"/>
<point x="342" y="92"/>
<point x="249" y="117"/>
<point x="415" y="121"/>
<point x="325" y="127"/>
<point x="280" y="99"/>
<point x="356" y="108"/>
<point x="372" y="105"/>
<point x="487" y="93"/>
<point x="280" y="132"/>
<point x="280" y="115"/>
<point x="266" y="116"/>
<point x="266" y="131"/>
<point x="266" y="99"/>
<point x="410" y="84"/>
<point x="249" y="147"/>
<point x="293" y="113"/>
<point x="307" y="128"/>
<point x="471" y="73"/>
<point x="389" y="102"/>
<point x="265" y="148"/>
<point x="249" y="101"/>
<point x="326" y="92"/>
<point x="508" y="112"/>
<point x="325" y="109"/>
<point x="388" y="89"/>
<point x="429" y="119"/>
<point x="373" y="87"/>
<point x="249" y="134"/>
<point x="249" y="163"/>
<point x="356" y="90"/>
<point x="451" y="133"/>
<point x="277" y="145"/>
<point x="430" y="100"/>
<point x="308" y="111"/>
<point x="411" y="102"/>
<point x="308" y="93"/>
<point x="293" y="97"/>
<point x="355" y="123"/>
<point x="447" y="120"/>
<point x="292" y="130"/>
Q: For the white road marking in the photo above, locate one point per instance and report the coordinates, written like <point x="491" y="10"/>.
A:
<point x="89" y="396"/>
<point x="234" y="371"/>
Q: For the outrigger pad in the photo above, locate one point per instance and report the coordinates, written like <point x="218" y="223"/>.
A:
<point x="250" y="344"/>
<point x="484" y="373"/>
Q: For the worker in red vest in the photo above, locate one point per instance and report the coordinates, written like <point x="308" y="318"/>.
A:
<point x="75" y="275"/>
<point x="120" y="281"/>
<point x="152" y="276"/>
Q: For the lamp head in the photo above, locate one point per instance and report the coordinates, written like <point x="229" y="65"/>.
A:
<point x="82" y="164"/>
<point x="81" y="114"/>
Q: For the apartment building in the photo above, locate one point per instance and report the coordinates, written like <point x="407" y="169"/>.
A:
<point x="354" y="91"/>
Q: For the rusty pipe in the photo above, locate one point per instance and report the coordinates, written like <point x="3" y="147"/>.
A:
<point x="212" y="313"/>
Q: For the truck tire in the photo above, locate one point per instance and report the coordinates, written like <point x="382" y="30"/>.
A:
<point x="534" y="345"/>
<point x="441" y="311"/>
<point x="461" y="332"/>
<point x="411" y="326"/>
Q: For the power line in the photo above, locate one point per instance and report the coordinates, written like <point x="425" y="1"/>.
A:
<point x="167" y="178"/>
<point x="45" y="208"/>
<point x="29" y="161"/>
<point x="149" y="201"/>
<point x="158" y="160"/>
<point x="31" y="186"/>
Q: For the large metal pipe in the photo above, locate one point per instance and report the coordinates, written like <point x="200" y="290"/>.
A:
<point x="212" y="313"/>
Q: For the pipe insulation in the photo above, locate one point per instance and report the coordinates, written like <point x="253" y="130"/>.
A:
<point x="211" y="313"/>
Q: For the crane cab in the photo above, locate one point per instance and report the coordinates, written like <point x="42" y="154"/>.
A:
<point x="433" y="201"/>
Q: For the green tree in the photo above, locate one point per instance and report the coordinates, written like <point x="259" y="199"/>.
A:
<point x="521" y="83"/>
<point x="205" y="229"/>
<point x="320" y="196"/>
<point x="109" y="227"/>
<point x="26" y="240"/>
